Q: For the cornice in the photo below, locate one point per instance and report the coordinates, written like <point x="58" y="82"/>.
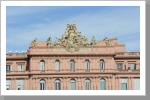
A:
<point x="16" y="58"/>
<point x="127" y="57"/>
<point x="72" y="54"/>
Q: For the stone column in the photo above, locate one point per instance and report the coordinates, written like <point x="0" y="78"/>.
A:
<point x="129" y="83"/>
<point x="25" y="84"/>
<point x="83" y="83"/>
<point x="94" y="85"/>
<point x="38" y="83"/>
<point x="76" y="83"/>
<point x="116" y="83"/>
<point x="91" y="83"/>
<point x="97" y="83"/>
<point x="107" y="84"/>
<point x="53" y="83"/>
<point x="33" y="83"/>
<point x="79" y="82"/>
<point x="113" y="83"/>
<point x="110" y="83"/>
<point x="62" y="84"/>
<point x="67" y="87"/>
<point x="13" y="84"/>
<point x="119" y="84"/>
<point x="132" y="83"/>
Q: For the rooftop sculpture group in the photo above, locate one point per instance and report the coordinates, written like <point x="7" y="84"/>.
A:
<point x="72" y="38"/>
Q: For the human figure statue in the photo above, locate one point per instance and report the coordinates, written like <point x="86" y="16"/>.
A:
<point x="93" y="41"/>
<point x="49" y="41"/>
<point x="57" y="42"/>
<point x="34" y="42"/>
<point x="87" y="42"/>
<point x="108" y="41"/>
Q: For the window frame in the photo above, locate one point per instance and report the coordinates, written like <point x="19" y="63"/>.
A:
<point x="87" y="65"/>
<point x="102" y="80"/>
<point x="57" y="69"/>
<point x="102" y="62"/>
<point x="121" y="66"/>
<point x="74" y="82"/>
<point x="8" y="83"/>
<point x="57" y="84"/>
<point x="130" y="66"/>
<point x="10" y="68"/>
<point x="21" y="85"/>
<point x="42" y="84"/>
<point x="72" y="65"/>
<point x="89" y="84"/>
<point x="124" y="81"/>
<point x="42" y="65"/>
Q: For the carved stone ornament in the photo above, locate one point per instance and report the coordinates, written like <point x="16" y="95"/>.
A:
<point x="108" y="42"/>
<point x="49" y="42"/>
<point x="72" y="38"/>
<point x="34" y="42"/>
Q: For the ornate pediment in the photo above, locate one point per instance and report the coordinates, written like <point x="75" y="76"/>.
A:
<point x="72" y="38"/>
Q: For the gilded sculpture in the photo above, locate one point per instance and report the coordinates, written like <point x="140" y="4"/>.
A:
<point x="34" y="42"/>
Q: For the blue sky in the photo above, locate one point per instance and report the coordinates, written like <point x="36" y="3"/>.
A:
<point x="24" y="23"/>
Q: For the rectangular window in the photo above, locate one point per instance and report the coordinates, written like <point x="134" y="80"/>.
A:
<point x="87" y="87"/>
<point x="20" y="84"/>
<point x="132" y="66"/>
<point x="72" y="85"/>
<point x="102" y="85"/>
<point x="20" y="68"/>
<point x="8" y="84"/>
<point x="124" y="85"/>
<point x="119" y="66"/>
<point x="57" y="66"/>
<point x="8" y="68"/>
<point x="136" y="83"/>
<point x="57" y="86"/>
<point x="87" y="65"/>
<point x="41" y="86"/>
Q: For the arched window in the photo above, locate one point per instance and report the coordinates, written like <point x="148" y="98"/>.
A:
<point x="42" y="65"/>
<point x="72" y="84"/>
<point x="72" y="65"/>
<point x="102" y="65"/>
<point x="57" y="65"/>
<point x="57" y="84"/>
<point x="87" y="64"/>
<point x="42" y="84"/>
<point x="102" y="84"/>
<point x="87" y="84"/>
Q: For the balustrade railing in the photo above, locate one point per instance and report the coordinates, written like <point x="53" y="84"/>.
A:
<point x="16" y="54"/>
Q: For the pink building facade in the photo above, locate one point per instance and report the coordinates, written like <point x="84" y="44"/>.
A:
<point x="73" y="63"/>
